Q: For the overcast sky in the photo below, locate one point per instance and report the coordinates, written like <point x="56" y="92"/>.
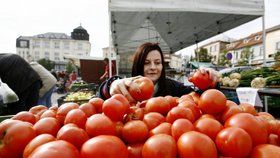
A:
<point x="32" y="17"/>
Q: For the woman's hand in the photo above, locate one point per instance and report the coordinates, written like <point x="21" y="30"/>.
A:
<point x="121" y="86"/>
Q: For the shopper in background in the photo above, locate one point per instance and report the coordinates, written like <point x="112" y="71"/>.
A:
<point x="49" y="82"/>
<point x="73" y="77"/>
<point x="22" y="79"/>
<point x="105" y="76"/>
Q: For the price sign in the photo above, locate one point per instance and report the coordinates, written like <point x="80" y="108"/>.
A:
<point x="249" y="95"/>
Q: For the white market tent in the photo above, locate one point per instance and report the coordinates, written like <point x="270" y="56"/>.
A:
<point x="175" y="24"/>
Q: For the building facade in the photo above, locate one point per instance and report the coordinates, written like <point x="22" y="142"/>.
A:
<point x="54" y="46"/>
<point x="254" y="43"/>
<point x="215" y="49"/>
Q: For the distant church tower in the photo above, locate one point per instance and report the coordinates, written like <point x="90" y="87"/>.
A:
<point x="80" y="33"/>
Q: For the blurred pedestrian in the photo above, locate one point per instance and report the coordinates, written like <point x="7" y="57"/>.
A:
<point x="105" y="76"/>
<point x="22" y="79"/>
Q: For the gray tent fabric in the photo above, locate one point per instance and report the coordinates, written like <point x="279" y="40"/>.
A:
<point x="176" y="24"/>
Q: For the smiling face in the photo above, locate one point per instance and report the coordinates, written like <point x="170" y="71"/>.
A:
<point x="153" y="66"/>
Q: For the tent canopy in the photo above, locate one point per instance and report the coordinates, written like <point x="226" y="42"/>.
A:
<point x="175" y="24"/>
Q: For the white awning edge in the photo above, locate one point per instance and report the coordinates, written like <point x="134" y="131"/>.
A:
<point x="243" y="7"/>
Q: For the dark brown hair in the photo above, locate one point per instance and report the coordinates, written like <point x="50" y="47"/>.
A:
<point x="140" y="57"/>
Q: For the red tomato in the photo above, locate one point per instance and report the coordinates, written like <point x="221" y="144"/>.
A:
<point x="163" y="128"/>
<point x="194" y="108"/>
<point x="194" y="144"/>
<point x="38" y="110"/>
<point x="201" y="80"/>
<point x="158" y="104"/>
<point x="135" y="113"/>
<point x="49" y="113"/>
<point x="73" y="135"/>
<point x="14" y="136"/>
<point x="153" y="119"/>
<point x="36" y="142"/>
<point x="63" y="110"/>
<point x="179" y="112"/>
<point x="146" y="87"/>
<point x="230" y="103"/>
<point x="99" y="124"/>
<point x="234" y="142"/>
<point x="122" y="99"/>
<point x="97" y="103"/>
<point x="159" y="146"/>
<point x="118" y="126"/>
<point x="25" y="116"/>
<point x="251" y="125"/>
<point x="248" y="108"/>
<point x="186" y="97"/>
<point x="47" y="125"/>
<point x="266" y="115"/>
<point x="114" y="109"/>
<point x="172" y="101"/>
<point x="104" y="146"/>
<point x="195" y="96"/>
<point x="265" y="151"/>
<point x="212" y="101"/>
<point x="230" y="111"/>
<point x="54" y="108"/>
<point x="135" y="131"/>
<point x="76" y="116"/>
<point x="135" y="150"/>
<point x="208" y="126"/>
<point x="274" y="139"/>
<point x="59" y="148"/>
<point x="180" y="127"/>
<point x="88" y="109"/>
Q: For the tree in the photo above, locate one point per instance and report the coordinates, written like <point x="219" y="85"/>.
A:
<point x="69" y="67"/>
<point x="202" y="55"/>
<point x="277" y="61"/>
<point x="245" y="56"/>
<point x="47" y="63"/>
<point x="223" y="61"/>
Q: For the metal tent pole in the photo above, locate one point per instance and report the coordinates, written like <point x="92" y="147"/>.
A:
<point x="264" y="36"/>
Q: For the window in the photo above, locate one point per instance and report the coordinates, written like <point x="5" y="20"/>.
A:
<point x="23" y="43"/>
<point x="47" y="55"/>
<point x="215" y="48"/>
<point x="245" y="41"/>
<point x="257" y="38"/>
<point x="66" y="45"/>
<point x="56" y="45"/>
<point x="261" y="51"/>
<point x="56" y="54"/>
<point x="37" y="55"/>
<point x="19" y="53"/>
<point x="211" y="49"/>
<point x="37" y="44"/>
<point x="80" y="46"/>
<point x="80" y="54"/>
<point x="278" y="45"/>
<point x="47" y="44"/>
<point x="56" y="58"/>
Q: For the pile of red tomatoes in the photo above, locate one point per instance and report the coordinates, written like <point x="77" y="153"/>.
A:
<point x="192" y="126"/>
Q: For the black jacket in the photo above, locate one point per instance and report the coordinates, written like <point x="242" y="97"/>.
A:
<point x="173" y="88"/>
<point x="16" y="72"/>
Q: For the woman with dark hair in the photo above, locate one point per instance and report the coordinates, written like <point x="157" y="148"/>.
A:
<point x="149" y="62"/>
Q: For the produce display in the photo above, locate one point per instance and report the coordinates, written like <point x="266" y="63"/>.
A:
<point x="191" y="126"/>
<point x="77" y="96"/>
<point x="256" y="78"/>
